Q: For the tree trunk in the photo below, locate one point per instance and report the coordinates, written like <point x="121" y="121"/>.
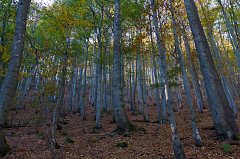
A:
<point x="62" y="102"/>
<point x="195" y="132"/>
<point x="99" y="80"/>
<point x="83" y="117"/>
<point x="145" y="92"/>
<point x="3" y="38"/>
<point x="120" y="116"/>
<point x="193" y="73"/>
<point x="222" y="114"/>
<point x="9" y="85"/>
<point x="177" y="146"/>
<point x="156" y="86"/>
<point x="233" y="35"/>
<point x="139" y="81"/>
<point x="223" y="78"/>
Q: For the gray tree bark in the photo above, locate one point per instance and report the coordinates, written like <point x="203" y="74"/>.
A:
<point x="9" y="85"/>
<point x="195" y="132"/>
<point x="139" y="81"/>
<point x="120" y="116"/>
<point x="3" y="38"/>
<point x="233" y="35"/>
<point x="177" y="146"/>
<point x="222" y="114"/>
<point x="156" y="88"/>
<point x="193" y="73"/>
<point x="82" y="114"/>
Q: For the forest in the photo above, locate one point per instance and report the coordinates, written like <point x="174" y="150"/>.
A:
<point x="119" y="79"/>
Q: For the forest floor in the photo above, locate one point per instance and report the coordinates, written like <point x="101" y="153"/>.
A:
<point x="78" y="139"/>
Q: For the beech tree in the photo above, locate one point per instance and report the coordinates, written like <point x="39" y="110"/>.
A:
<point x="177" y="147"/>
<point x="223" y="117"/>
<point x="131" y="63"/>
<point x="120" y="116"/>
<point x="9" y="85"/>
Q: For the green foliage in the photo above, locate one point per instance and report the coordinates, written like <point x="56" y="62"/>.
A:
<point x="226" y="148"/>
<point x="238" y="137"/>
<point x="68" y="140"/>
<point x="7" y="27"/>
<point x="156" y="85"/>
<point x="122" y="144"/>
<point x="40" y="136"/>
<point x="64" y="133"/>
<point x="209" y="14"/>
<point x="174" y="72"/>
<point x="173" y="84"/>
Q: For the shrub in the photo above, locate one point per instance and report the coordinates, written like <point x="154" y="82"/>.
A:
<point x="226" y="148"/>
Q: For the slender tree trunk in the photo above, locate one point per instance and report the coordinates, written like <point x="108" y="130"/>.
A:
<point x="3" y="38"/>
<point x="235" y="20"/>
<point x="80" y="85"/>
<point x="193" y="73"/>
<point x="54" y="143"/>
<point x="219" y="64"/>
<point x="62" y="102"/>
<point x="230" y="68"/>
<point x="179" y="95"/>
<point x="139" y="81"/>
<point x="84" y="85"/>
<point x="74" y="86"/>
<point x="195" y="132"/>
<point x="156" y="87"/>
<point x="9" y="85"/>
<point x="132" y="88"/>
<point x="109" y="90"/>
<point x="120" y="116"/>
<point x="99" y="81"/>
<point x="231" y="32"/>
<point x="145" y="92"/>
<point x="177" y="146"/>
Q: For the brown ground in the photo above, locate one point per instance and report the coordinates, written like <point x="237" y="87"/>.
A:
<point x="31" y="141"/>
